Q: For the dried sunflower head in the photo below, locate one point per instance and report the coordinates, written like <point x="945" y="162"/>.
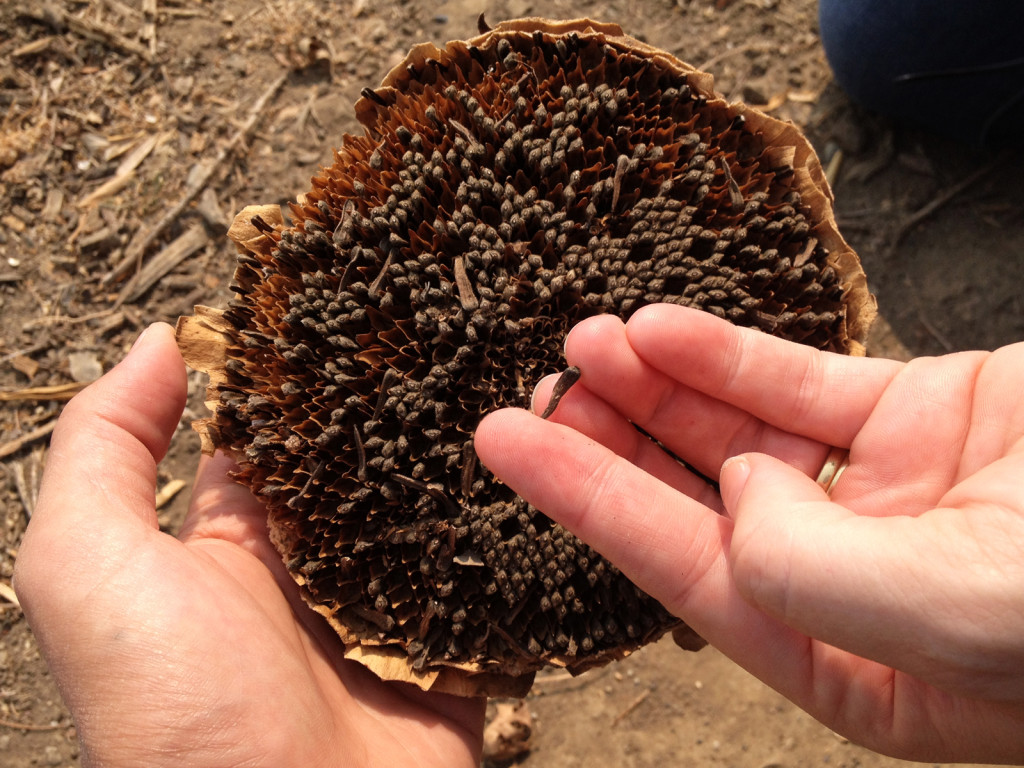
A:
<point x="504" y="189"/>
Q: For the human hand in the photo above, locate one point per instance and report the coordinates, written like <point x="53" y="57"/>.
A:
<point x="196" y="651"/>
<point x="894" y="610"/>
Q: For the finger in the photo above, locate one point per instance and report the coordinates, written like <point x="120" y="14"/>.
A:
<point x="698" y="427"/>
<point x="111" y="436"/>
<point x="98" y="491"/>
<point x="905" y="424"/>
<point x="593" y="417"/>
<point x="876" y="587"/>
<point x="667" y="544"/>
<point x="913" y="447"/>
<point x="996" y="409"/>
<point x="678" y="552"/>
<point x="822" y="396"/>
<point x="600" y="496"/>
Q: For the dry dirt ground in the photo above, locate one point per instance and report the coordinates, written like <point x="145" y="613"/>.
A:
<point x="133" y="129"/>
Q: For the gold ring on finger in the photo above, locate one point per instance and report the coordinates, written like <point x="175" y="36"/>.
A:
<point x="836" y="462"/>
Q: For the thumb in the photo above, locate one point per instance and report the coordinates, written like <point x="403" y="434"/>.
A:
<point x="877" y="586"/>
<point x="97" y="493"/>
<point x="778" y="512"/>
<point x="813" y="564"/>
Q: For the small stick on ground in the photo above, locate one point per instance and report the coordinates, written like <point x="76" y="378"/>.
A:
<point x="630" y="707"/>
<point x="946" y="197"/>
<point x="832" y="169"/>
<point x="7" y="593"/>
<point x="149" y="11"/>
<point x="48" y="320"/>
<point x="26" y="351"/>
<point x="26" y="480"/>
<point x="168" y="492"/>
<point x="15" y="445"/>
<point x="177" y="250"/>
<point x="54" y="392"/>
<point x="26" y="726"/>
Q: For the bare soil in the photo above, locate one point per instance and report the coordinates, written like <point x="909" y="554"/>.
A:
<point x="129" y="139"/>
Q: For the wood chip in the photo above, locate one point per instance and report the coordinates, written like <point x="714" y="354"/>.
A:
<point x="25" y="365"/>
<point x="177" y="251"/>
<point x="168" y="492"/>
<point x="124" y="174"/>
<point x="508" y="735"/>
<point x="54" y="204"/>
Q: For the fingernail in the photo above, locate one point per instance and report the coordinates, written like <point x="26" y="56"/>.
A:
<point x="140" y="338"/>
<point x="732" y="480"/>
<point x="536" y="407"/>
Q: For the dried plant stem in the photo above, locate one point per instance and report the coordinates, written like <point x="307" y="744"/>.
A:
<point x="15" y="445"/>
<point x="27" y="726"/>
<point x="631" y="706"/>
<point x="7" y="593"/>
<point x="55" y="392"/>
<point x="149" y="11"/>
<point x="945" y="198"/>
<point x="168" y="492"/>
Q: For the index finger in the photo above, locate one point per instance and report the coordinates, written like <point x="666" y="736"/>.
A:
<point x="823" y="396"/>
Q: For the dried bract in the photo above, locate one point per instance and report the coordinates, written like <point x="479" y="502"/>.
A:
<point x="504" y="189"/>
